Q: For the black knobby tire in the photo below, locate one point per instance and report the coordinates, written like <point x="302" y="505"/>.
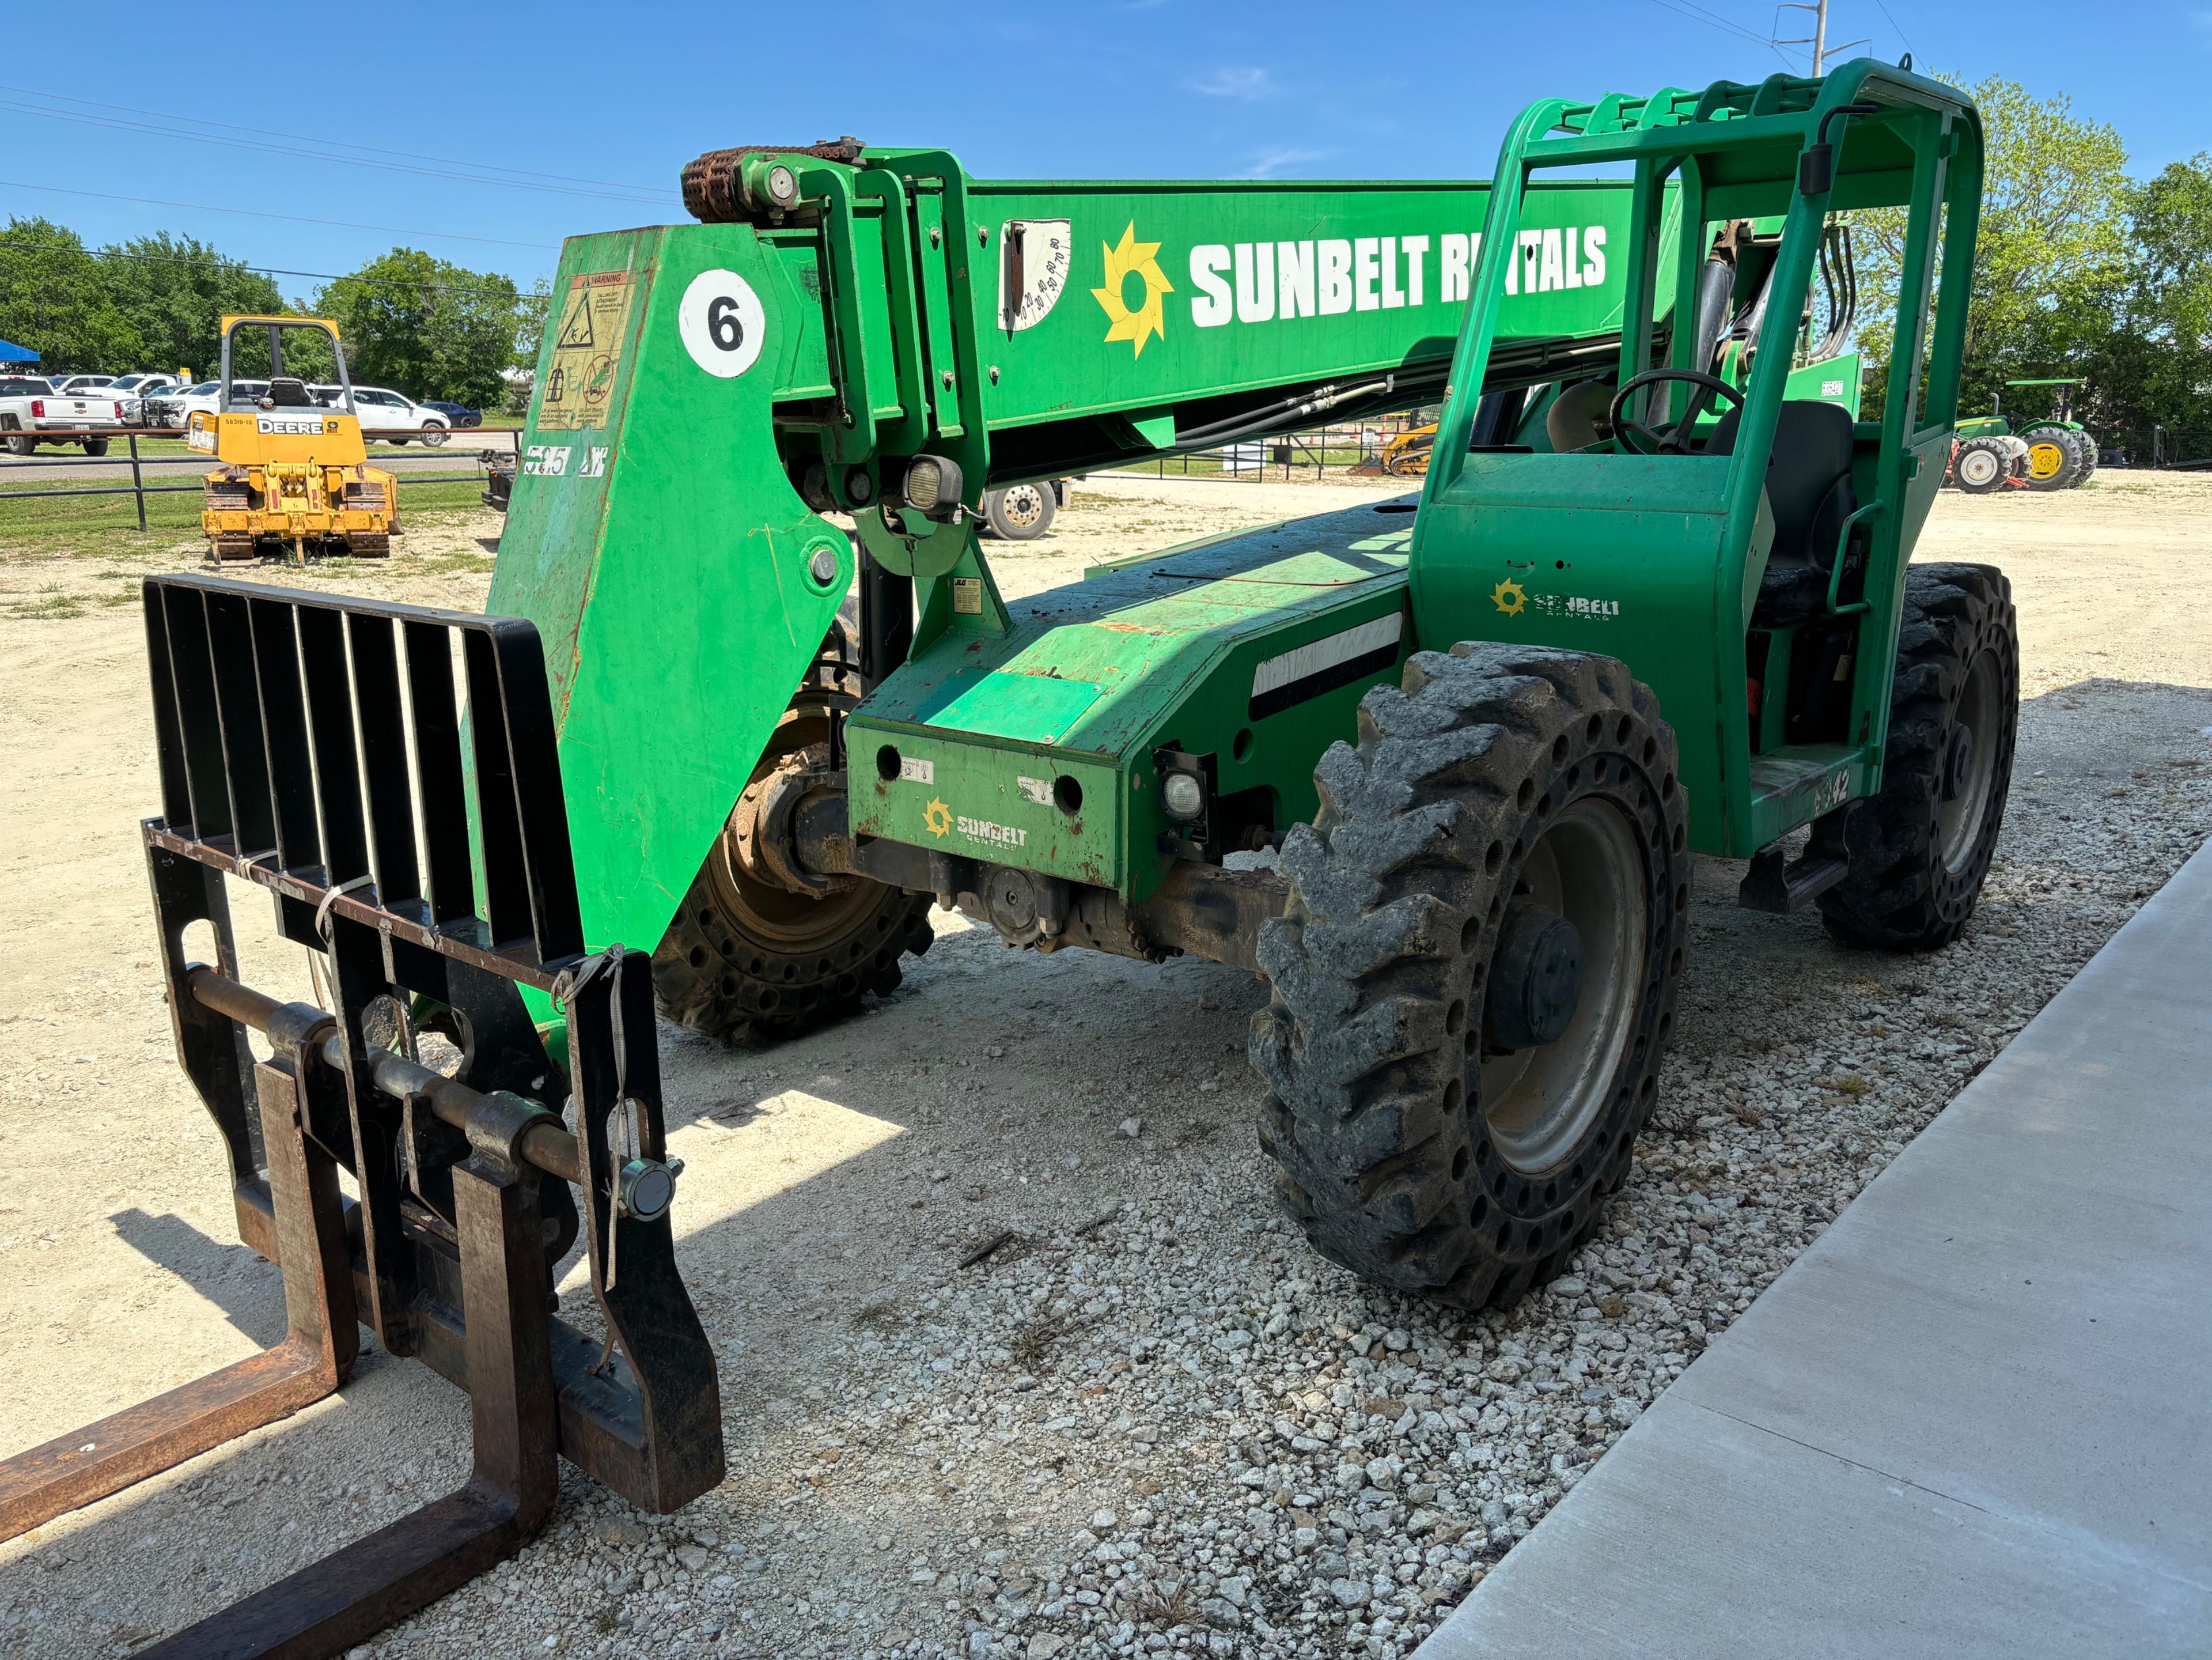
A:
<point x="2085" y="451"/>
<point x="1390" y="1113"/>
<point x="1981" y="465"/>
<point x="1020" y="513"/>
<point x="1920" y="849"/>
<point x="748" y="962"/>
<point x="2068" y="472"/>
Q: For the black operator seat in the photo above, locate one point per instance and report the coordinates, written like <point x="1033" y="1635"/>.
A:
<point x="288" y="392"/>
<point x="1808" y="491"/>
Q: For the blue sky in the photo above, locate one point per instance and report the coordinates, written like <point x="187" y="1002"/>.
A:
<point x="521" y="125"/>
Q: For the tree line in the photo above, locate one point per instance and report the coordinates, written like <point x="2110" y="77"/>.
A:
<point x="2079" y="270"/>
<point x="417" y="324"/>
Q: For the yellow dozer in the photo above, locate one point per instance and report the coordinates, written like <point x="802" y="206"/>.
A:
<point x="294" y="474"/>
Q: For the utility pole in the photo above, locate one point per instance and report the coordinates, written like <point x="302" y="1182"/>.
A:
<point x="1818" y="38"/>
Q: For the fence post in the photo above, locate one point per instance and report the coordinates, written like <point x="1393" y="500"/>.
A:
<point x="138" y="482"/>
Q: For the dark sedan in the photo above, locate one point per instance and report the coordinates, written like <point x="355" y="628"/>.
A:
<point x="460" y="414"/>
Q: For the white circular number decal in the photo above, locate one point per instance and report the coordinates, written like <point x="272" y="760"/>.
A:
<point x="722" y="322"/>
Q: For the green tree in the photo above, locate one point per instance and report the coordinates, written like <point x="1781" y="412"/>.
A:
<point x="530" y="312"/>
<point x="175" y="291"/>
<point x="2152" y="368"/>
<point x="423" y="326"/>
<point x="2051" y="248"/>
<point x="56" y="299"/>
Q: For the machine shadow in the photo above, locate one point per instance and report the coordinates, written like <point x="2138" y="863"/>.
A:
<point x="252" y="1301"/>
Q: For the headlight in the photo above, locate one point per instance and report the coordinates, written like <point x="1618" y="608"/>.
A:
<point x="932" y="485"/>
<point x="1183" y="795"/>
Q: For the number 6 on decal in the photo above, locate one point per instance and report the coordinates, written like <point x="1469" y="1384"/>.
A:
<point x="721" y="323"/>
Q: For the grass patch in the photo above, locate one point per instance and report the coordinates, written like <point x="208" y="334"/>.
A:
<point x="48" y="608"/>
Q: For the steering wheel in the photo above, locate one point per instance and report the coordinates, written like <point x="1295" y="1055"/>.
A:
<point x="1674" y="440"/>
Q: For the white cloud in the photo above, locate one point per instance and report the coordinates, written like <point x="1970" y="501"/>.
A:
<point x="1246" y="85"/>
<point x="1272" y="163"/>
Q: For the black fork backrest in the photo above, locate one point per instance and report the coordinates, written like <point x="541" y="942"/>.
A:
<point x="325" y="735"/>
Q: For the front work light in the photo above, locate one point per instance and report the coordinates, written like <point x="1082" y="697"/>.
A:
<point x="1184" y="794"/>
<point x="932" y="486"/>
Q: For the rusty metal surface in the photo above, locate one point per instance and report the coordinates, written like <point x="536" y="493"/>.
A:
<point x="546" y="1146"/>
<point x="354" y="1593"/>
<point x="290" y="758"/>
<point x="1213" y="913"/>
<point x="713" y="192"/>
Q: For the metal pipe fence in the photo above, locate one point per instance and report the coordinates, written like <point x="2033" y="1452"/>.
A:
<point x="1344" y="448"/>
<point x="138" y="488"/>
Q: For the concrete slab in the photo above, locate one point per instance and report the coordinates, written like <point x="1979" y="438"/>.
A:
<point x="1973" y="1419"/>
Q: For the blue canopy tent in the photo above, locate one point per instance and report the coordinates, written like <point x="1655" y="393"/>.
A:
<point x="12" y="353"/>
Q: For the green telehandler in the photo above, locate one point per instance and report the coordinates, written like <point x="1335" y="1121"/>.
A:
<point x="747" y="701"/>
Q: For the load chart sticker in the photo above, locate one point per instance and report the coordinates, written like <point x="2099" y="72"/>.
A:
<point x="588" y="347"/>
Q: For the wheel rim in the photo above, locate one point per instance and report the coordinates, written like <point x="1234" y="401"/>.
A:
<point x="1588" y="867"/>
<point x="1968" y="765"/>
<point x="766" y="913"/>
<point x="1022" y="505"/>
<point x="1977" y="467"/>
<point x="2045" y="460"/>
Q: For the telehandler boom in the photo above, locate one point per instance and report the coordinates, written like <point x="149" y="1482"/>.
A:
<point x="1652" y="599"/>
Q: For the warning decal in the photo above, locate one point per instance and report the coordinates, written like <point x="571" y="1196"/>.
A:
<point x="588" y="347"/>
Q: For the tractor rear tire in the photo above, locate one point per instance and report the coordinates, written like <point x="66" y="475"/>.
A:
<point x="1920" y="849"/>
<point x="1980" y="466"/>
<point x="749" y="961"/>
<point x="1426" y="1135"/>
<point x="2085" y="447"/>
<point x="2046" y="471"/>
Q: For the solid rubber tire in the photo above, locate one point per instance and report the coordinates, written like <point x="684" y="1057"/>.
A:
<point x="712" y="975"/>
<point x="1900" y="896"/>
<point x="1370" y="1045"/>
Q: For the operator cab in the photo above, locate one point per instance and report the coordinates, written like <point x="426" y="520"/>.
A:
<point x="1717" y="471"/>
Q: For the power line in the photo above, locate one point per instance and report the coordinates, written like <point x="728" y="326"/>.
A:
<point x="336" y="144"/>
<point x="1901" y="34"/>
<point x="292" y="151"/>
<point x="220" y="263"/>
<point x="291" y="218"/>
<point x="1697" y="13"/>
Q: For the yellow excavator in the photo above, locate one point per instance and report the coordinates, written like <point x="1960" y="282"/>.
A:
<point x="294" y="473"/>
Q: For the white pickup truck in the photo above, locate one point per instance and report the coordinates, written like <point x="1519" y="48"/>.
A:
<point x="29" y="407"/>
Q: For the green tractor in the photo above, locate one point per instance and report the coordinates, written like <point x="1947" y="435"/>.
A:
<point x="1435" y="767"/>
<point x="2054" y="454"/>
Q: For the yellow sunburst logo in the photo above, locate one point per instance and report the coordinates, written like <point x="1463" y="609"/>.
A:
<point x="1507" y="597"/>
<point x="1135" y="258"/>
<point x="937" y="818"/>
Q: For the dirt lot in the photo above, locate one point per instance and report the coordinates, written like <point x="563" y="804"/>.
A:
<point x="1173" y="1429"/>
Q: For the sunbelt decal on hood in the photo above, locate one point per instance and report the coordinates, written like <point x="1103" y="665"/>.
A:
<point x="1278" y="282"/>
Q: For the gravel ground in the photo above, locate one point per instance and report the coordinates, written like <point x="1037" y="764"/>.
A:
<point x="1152" y="1421"/>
